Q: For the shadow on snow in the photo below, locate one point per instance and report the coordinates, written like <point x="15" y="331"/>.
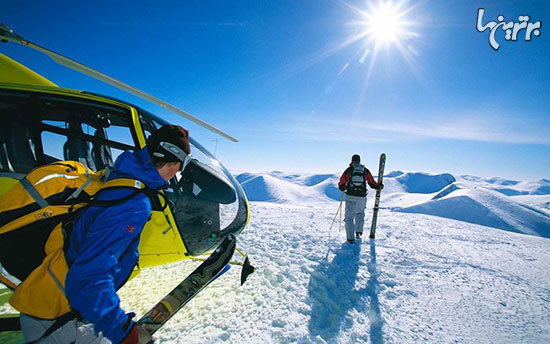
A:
<point x="332" y="294"/>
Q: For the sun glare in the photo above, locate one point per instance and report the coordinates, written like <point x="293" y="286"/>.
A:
<point x="383" y="24"/>
<point x="389" y="25"/>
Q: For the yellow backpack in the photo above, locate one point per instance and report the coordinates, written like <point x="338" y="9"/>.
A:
<point x="35" y="215"/>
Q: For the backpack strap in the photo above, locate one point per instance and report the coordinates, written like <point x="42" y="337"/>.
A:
<point x="123" y="183"/>
<point x="154" y="197"/>
<point x="135" y="184"/>
<point x="82" y="187"/>
<point x="33" y="193"/>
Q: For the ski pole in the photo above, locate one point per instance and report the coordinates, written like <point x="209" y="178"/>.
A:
<point x="338" y="211"/>
<point x="340" y="220"/>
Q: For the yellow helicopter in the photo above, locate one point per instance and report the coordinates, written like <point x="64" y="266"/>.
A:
<point x="44" y="123"/>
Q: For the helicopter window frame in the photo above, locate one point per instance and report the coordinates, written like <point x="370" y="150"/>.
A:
<point x="84" y="112"/>
<point x="120" y="112"/>
<point x="33" y="108"/>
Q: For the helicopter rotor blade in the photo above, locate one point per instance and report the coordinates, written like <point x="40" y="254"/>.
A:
<point x="6" y="34"/>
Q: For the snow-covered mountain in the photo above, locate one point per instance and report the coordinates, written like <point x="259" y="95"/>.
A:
<point x="515" y="206"/>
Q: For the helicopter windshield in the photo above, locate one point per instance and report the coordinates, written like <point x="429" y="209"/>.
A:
<point x="207" y="202"/>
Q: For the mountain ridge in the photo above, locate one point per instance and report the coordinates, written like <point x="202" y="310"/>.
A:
<point x="512" y="205"/>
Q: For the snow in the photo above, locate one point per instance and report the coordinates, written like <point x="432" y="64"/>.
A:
<point x="424" y="279"/>
<point x="265" y="187"/>
<point x="424" y="182"/>
<point x="486" y="207"/>
<point x="456" y="260"/>
<point x="515" y="206"/>
<point x="442" y="269"/>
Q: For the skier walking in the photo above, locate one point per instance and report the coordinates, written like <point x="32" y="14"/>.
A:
<point x="354" y="182"/>
<point x="103" y="248"/>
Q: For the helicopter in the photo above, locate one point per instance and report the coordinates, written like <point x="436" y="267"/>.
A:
<point x="43" y="123"/>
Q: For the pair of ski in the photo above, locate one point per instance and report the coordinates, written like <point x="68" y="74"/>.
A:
<point x="209" y="270"/>
<point x="381" y="166"/>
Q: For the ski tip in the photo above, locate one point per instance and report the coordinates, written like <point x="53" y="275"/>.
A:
<point x="247" y="270"/>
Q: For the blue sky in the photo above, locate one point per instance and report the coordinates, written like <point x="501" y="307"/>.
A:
<point x="287" y="79"/>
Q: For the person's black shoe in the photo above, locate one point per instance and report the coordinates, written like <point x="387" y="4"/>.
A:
<point x="351" y="241"/>
<point x="358" y="235"/>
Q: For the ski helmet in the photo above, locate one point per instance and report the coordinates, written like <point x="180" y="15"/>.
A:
<point x="170" y="143"/>
<point x="355" y="158"/>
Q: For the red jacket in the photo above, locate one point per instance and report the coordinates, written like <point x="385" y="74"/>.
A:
<point x="344" y="179"/>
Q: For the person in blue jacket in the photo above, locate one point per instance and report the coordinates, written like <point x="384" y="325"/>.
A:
<point x="103" y="247"/>
<point x="104" y="243"/>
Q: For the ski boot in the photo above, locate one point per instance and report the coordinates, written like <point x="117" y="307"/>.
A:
<point x="351" y="241"/>
<point x="358" y="235"/>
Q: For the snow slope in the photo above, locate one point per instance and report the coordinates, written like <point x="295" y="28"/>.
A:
<point x="264" y="187"/>
<point x="424" y="279"/>
<point x="513" y="187"/>
<point x="416" y="182"/>
<point x="483" y="206"/>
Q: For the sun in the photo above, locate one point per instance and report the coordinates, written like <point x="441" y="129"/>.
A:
<point x="381" y="25"/>
<point x="384" y="24"/>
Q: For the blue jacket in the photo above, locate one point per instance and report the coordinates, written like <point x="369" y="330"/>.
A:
<point x="103" y="248"/>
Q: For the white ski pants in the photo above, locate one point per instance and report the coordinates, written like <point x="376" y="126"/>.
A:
<point x="355" y="215"/>
<point x="72" y="332"/>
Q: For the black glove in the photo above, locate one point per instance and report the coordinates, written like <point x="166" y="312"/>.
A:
<point x="342" y="187"/>
<point x="380" y="186"/>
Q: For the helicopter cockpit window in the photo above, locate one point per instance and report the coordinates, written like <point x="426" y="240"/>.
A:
<point x="95" y="134"/>
<point x="207" y="202"/>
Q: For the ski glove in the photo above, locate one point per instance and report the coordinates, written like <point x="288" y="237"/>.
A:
<point x="342" y="187"/>
<point x="132" y="337"/>
<point x="138" y="335"/>
<point x="380" y="186"/>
